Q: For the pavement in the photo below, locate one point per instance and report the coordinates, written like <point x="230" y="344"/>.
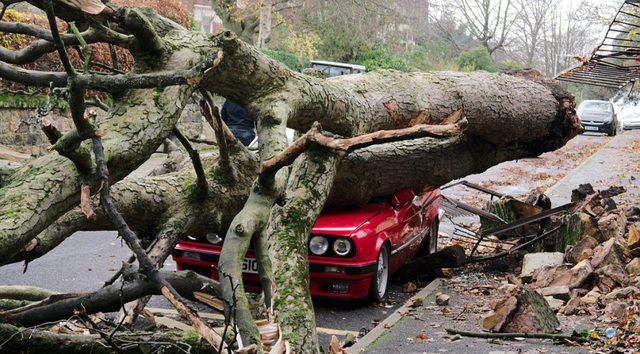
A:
<point x="421" y="329"/>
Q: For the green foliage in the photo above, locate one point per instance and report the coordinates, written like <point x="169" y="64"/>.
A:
<point x="27" y="101"/>
<point x="509" y="65"/>
<point x="381" y="58"/>
<point x="477" y="58"/>
<point x="500" y="209"/>
<point x="194" y="26"/>
<point x="432" y="55"/>
<point x="286" y="58"/>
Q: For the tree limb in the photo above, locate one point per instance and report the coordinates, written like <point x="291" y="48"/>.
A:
<point x="146" y="265"/>
<point x="518" y="335"/>
<point x="197" y="164"/>
<point x="315" y="135"/>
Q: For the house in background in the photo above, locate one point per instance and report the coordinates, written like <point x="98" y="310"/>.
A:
<point x="204" y="16"/>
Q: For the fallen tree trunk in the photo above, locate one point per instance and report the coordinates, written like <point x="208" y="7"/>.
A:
<point x="508" y="117"/>
<point x="109" y="298"/>
<point x="21" y="340"/>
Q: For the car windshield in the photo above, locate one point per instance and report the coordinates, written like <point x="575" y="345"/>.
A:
<point x="596" y="106"/>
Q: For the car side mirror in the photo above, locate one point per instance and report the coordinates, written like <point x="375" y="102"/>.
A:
<point x="402" y="198"/>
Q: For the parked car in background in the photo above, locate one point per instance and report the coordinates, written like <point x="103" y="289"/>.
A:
<point x="352" y="252"/>
<point x="598" y="117"/>
<point x="331" y="68"/>
<point x="630" y="120"/>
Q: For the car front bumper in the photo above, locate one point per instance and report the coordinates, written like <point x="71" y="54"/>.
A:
<point x="598" y="127"/>
<point x="330" y="279"/>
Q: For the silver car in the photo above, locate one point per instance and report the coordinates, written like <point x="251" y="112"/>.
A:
<point x="630" y="120"/>
<point x="598" y="117"/>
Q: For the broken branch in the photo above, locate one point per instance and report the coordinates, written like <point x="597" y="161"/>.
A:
<point x="85" y="202"/>
<point x="517" y="335"/>
<point x="315" y="135"/>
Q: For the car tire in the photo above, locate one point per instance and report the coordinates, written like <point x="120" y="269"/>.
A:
<point x="612" y="132"/>
<point x="379" y="287"/>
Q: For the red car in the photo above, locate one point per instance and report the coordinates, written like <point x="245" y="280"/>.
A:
<point x="352" y="252"/>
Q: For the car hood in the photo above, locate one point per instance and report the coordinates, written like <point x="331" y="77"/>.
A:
<point x="341" y="221"/>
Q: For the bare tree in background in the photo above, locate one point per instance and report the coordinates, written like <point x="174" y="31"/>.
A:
<point x="489" y="21"/>
<point x="529" y="29"/>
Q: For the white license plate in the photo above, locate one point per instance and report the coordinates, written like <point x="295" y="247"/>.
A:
<point x="250" y="265"/>
<point x="588" y="127"/>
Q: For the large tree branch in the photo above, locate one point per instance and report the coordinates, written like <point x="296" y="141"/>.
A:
<point x="91" y="35"/>
<point x="110" y="298"/>
<point x="155" y="115"/>
<point x="32" y="77"/>
<point x="107" y="83"/>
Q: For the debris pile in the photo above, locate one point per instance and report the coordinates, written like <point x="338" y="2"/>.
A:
<point x="597" y="274"/>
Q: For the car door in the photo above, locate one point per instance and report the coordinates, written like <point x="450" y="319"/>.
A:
<point x="405" y="236"/>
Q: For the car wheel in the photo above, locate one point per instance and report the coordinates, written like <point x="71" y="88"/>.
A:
<point x="380" y="282"/>
<point x="612" y="132"/>
<point x="433" y="236"/>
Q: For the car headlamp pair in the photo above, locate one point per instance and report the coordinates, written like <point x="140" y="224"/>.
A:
<point x="319" y="245"/>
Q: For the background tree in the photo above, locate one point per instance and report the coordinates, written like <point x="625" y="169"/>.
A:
<point x="489" y="21"/>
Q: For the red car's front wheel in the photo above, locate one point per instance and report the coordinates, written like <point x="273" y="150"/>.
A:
<point x="380" y="282"/>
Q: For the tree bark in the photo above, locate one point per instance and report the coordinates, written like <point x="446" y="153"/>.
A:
<point x="20" y="340"/>
<point x="110" y="298"/>
<point x="289" y="229"/>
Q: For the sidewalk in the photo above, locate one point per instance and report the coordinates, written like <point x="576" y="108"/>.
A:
<point x="422" y="329"/>
<point x="614" y="164"/>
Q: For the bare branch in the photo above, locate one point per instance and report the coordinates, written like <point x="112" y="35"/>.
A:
<point x="212" y="115"/>
<point x="91" y="35"/>
<point x="96" y="102"/>
<point x="197" y="164"/>
<point x="146" y="265"/>
<point x="32" y="77"/>
<point x="56" y="38"/>
<point x="315" y="135"/>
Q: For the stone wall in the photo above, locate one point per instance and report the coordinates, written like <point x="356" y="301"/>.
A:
<point x="20" y="129"/>
<point x="20" y="126"/>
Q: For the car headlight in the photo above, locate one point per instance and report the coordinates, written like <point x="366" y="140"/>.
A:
<point x="318" y="245"/>
<point x="214" y="239"/>
<point x="341" y="247"/>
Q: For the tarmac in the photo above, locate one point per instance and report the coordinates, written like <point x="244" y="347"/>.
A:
<point x="421" y="329"/>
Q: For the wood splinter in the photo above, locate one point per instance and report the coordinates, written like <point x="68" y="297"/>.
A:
<point x="85" y="202"/>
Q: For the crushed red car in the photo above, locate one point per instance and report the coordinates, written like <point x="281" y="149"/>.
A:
<point x="352" y="252"/>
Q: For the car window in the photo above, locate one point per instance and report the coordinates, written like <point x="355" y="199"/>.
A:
<point x="596" y="106"/>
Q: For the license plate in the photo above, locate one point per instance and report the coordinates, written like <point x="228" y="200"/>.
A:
<point x="588" y="127"/>
<point x="250" y="265"/>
